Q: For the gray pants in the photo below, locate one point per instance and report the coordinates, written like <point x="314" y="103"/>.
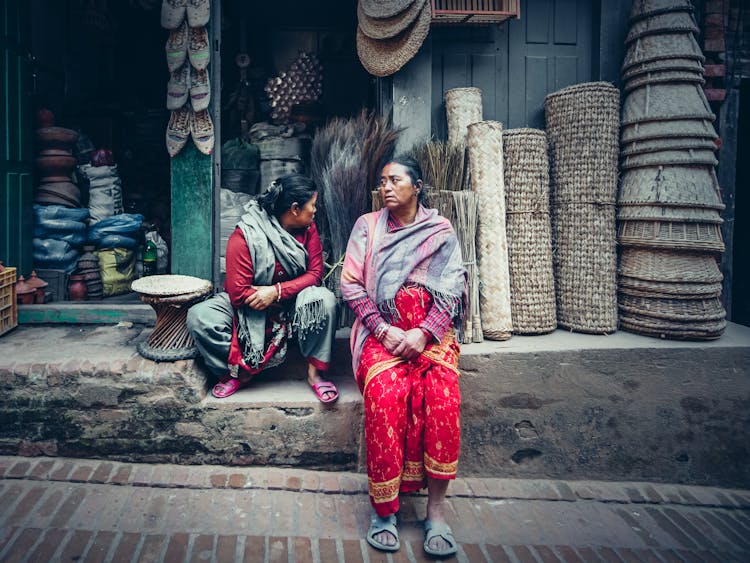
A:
<point x="210" y="324"/>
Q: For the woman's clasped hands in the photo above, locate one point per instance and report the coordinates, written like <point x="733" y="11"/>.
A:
<point x="263" y="296"/>
<point x="407" y="344"/>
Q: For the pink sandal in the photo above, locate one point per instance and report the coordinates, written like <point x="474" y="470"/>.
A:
<point x="224" y="389"/>
<point x="324" y="387"/>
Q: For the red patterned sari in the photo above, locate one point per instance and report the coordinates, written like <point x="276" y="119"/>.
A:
<point x="412" y="425"/>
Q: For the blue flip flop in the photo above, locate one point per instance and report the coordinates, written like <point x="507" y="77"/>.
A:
<point x="380" y="524"/>
<point x="439" y="529"/>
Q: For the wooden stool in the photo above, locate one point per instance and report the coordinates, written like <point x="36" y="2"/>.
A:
<point x="171" y="296"/>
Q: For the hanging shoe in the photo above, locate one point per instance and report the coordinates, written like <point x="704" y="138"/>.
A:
<point x="200" y="90"/>
<point x="178" y="130"/>
<point x="202" y="130"/>
<point x="198" y="47"/>
<point x="176" y="48"/>
<point x="178" y="87"/>
<point x="173" y="13"/>
<point x="198" y="12"/>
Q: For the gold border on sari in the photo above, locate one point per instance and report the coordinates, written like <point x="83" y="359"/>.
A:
<point x="378" y="368"/>
<point x="385" y="491"/>
<point x="439" y="468"/>
<point x="413" y="471"/>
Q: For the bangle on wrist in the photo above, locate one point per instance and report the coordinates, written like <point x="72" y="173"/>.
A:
<point x="278" y="291"/>
<point x="380" y="331"/>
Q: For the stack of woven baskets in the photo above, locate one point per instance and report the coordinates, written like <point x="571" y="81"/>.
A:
<point x="669" y="212"/>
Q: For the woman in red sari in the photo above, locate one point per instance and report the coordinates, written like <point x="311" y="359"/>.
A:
<point x="404" y="278"/>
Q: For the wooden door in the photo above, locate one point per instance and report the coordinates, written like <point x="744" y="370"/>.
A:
<point x="516" y="64"/>
<point x="16" y="187"/>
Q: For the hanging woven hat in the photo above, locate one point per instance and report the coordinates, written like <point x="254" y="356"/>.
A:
<point x="672" y="128"/>
<point x="663" y="46"/>
<point x="385" y="28"/>
<point x="656" y="102"/>
<point x="663" y="65"/>
<point x="670" y="22"/>
<point x="381" y="9"/>
<point x="645" y="8"/>
<point x="383" y="57"/>
<point x="694" y="186"/>
<point x="668" y="76"/>
<point x="668" y="144"/>
<point x="669" y="266"/>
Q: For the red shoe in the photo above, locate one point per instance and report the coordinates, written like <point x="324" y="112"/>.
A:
<point x="224" y="389"/>
<point x="323" y="388"/>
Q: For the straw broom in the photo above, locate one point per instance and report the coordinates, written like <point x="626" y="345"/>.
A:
<point x="465" y="214"/>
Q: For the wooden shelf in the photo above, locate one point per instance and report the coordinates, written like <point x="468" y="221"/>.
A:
<point x="474" y="12"/>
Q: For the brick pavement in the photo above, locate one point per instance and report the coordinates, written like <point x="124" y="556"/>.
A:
<point x="56" y="509"/>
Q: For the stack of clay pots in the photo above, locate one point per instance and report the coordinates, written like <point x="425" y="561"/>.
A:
<point x="55" y="163"/>
<point x="669" y="206"/>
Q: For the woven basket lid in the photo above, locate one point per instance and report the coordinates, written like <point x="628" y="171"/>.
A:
<point x="385" y="28"/>
<point x="640" y="9"/>
<point x="663" y="65"/>
<point x="669" y="266"/>
<point x="677" y="235"/>
<point x="657" y="102"/>
<point x="667" y="213"/>
<point x="169" y="285"/>
<point x="649" y="48"/>
<point x="689" y="157"/>
<point x="660" y="77"/>
<point x="667" y="144"/>
<point x="664" y="129"/>
<point x="683" y="310"/>
<point x="381" y="9"/>
<point x="383" y="57"/>
<point x="694" y="186"/>
<point x="669" y="22"/>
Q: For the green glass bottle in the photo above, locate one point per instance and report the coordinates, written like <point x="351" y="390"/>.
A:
<point x="149" y="259"/>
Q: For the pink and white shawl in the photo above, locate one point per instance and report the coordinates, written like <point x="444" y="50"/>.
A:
<point x="378" y="263"/>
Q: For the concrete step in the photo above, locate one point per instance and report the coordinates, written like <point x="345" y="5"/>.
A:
<point x="562" y="405"/>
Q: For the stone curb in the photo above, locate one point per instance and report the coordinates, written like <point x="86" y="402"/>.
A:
<point x="203" y="477"/>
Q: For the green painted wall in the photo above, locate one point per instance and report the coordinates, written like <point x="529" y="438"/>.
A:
<point x="192" y="213"/>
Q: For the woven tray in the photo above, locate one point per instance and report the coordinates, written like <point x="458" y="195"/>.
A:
<point x="681" y="45"/>
<point x="486" y="154"/>
<point x="686" y="157"/>
<point x="170" y="285"/>
<point x="677" y="64"/>
<point x="669" y="22"/>
<point x="463" y="106"/>
<point x="641" y="288"/>
<point x="666" y="129"/>
<point x="663" y="102"/>
<point x="669" y="266"/>
<point x="640" y="9"/>
<point x="682" y="310"/>
<point x="669" y="76"/>
<point x="585" y="267"/>
<point x="672" y="331"/>
<point x="668" y="144"/>
<point x="667" y="213"/>
<point x="529" y="231"/>
<point x="670" y="234"/>
<point x="583" y="131"/>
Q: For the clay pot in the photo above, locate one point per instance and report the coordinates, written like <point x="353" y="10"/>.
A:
<point x="53" y="140"/>
<point x="38" y="284"/>
<point x="55" y="167"/>
<point x="24" y="292"/>
<point x="44" y="118"/>
<point x="77" y="288"/>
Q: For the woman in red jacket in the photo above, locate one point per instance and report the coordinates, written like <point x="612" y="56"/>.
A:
<point x="274" y="270"/>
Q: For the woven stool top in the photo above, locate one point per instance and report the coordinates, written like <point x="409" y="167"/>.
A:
<point x="169" y="285"/>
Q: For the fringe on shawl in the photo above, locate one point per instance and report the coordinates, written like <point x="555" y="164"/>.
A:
<point x="309" y="310"/>
<point x="452" y="303"/>
<point x="252" y="353"/>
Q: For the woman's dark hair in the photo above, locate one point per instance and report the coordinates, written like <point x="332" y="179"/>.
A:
<point x="285" y="191"/>
<point x="412" y="169"/>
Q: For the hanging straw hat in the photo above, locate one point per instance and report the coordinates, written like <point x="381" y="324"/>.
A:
<point x="670" y="22"/>
<point x="383" y="57"/>
<point x="385" y="28"/>
<point x="381" y="9"/>
<point x="644" y="8"/>
<point x="663" y="46"/>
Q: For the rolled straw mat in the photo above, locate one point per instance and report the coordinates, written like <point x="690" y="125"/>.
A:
<point x="529" y="231"/>
<point x="463" y="106"/>
<point x="486" y="155"/>
<point x="583" y="129"/>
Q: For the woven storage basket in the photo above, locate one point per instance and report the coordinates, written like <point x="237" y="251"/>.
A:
<point x="671" y="290"/>
<point x="681" y="45"/>
<point x="662" y="102"/>
<point x="665" y="129"/>
<point x="463" y="106"/>
<point x="486" y="155"/>
<point x="667" y="213"/>
<point x="583" y="130"/>
<point x="669" y="266"/>
<point x="682" y="310"/>
<point x="667" y="76"/>
<point x="668" y="144"/>
<point x="640" y="9"/>
<point x="677" y="64"/>
<point x="672" y="330"/>
<point x="529" y="231"/>
<point x="668" y="22"/>
<point x="687" y="157"/>
<point x="671" y="234"/>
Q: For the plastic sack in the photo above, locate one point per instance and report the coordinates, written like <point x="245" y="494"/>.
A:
<point x="162" y="251"/>
<point x="123" y="224"/>
<point x="115" y="241"/>
<point x="72" y="238"/>
<point x="117" y="267"/>
<point x="55" y="255"/>
<point x="44" y="213"/>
